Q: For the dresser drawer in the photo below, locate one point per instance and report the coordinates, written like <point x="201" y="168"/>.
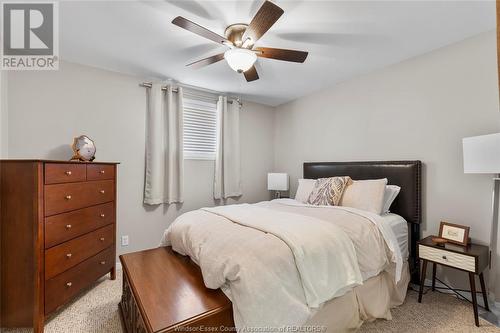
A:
<point x="100" y="171"/>
<point x="61" y="198"/>
<point x="448" y="258"/>
<point x="64" y="173"/>
<point x="64" y="286"/>
<point x="66" y="255"/>
<point x="66" y="226"/>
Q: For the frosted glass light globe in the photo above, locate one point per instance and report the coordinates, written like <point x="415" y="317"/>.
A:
<point x="240" y="60"/>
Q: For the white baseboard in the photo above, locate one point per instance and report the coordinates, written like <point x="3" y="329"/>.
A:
<point x="118" y="266"/>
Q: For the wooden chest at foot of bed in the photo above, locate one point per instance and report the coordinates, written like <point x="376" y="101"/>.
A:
<point x="164" y="292"/>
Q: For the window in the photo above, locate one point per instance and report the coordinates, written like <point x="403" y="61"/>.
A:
<point x="200" y="127"/>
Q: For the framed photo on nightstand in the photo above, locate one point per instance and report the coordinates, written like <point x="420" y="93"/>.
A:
<point x="454" y="233"/>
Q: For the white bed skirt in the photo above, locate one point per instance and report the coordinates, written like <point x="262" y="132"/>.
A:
<point x="370" y="301"/>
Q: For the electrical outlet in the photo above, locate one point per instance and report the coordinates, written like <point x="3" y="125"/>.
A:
<point x="125" y="240"/>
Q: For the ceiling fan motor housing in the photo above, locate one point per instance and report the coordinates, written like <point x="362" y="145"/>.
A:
<point x="234" y="33"/>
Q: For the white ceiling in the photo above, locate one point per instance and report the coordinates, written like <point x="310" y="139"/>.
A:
<point x="344" y="39"/>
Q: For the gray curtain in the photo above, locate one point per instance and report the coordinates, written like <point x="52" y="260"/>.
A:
<point x="164" y="179"/>
<point x="227" y="182"/>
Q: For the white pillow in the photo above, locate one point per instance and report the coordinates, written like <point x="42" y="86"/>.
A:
<point x="304" y="190"/>
<point x="390" y="193"/>
<point x="366" y="195"/>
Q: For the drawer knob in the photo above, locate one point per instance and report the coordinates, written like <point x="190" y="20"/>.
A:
<point x="102" y="239"/>
<point x="103" y="263"/>
<point x="102" y="191"/>
<point x="444" y="257"/>
<point x="68" y="197"/>
<point x="101" y="172"/>
<point x="68" y="255"/>
<point x="68" y="173"/>
<point x="68" y="226"/>
<point x="102" y="215"/>
<point x="69" y="284"/>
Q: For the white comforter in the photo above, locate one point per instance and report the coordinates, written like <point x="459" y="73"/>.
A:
<point x="278" y="261"/>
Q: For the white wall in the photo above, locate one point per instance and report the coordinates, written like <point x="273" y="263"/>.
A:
<point x="418" y="109"/>
<point x="3" y="114"/>
<point x="47" y="109"/>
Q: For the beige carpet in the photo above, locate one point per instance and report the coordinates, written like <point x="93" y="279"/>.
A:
<point x="96" y="311"/>
<point x="437" y="313"/>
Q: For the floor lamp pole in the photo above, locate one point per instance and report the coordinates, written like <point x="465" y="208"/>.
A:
<point x="493" y="316"/>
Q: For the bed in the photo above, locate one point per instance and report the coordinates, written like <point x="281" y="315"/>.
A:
<point x="283" y="263"/>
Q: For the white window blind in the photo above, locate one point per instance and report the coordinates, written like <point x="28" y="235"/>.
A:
<point x="200" y="126"/>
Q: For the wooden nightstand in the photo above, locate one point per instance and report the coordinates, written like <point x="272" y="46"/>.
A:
<point x="472" y="259"/>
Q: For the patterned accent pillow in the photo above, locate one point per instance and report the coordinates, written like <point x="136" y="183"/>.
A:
<point x="328" y="191"/>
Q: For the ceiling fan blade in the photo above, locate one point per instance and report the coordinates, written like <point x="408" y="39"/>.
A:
<point x="206" y="61"/>
<point x="251" y="74"/>
<point x="199" y="30"/>
<point x="267" y="15"/>
<point x="281" y="54"/>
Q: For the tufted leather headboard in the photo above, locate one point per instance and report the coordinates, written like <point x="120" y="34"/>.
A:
<point x="406" y="174"/>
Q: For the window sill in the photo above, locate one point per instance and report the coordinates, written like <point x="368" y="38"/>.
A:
<point x="202" y="157"/>
<point x="199" y="159"/>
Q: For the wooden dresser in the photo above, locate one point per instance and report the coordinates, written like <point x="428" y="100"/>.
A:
<point x="57" y="233"/>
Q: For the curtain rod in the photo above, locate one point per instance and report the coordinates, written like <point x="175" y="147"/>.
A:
<point x="150" y="85"/>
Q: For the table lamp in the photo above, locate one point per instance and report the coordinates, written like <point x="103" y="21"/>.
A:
<point x="277" y="182"/>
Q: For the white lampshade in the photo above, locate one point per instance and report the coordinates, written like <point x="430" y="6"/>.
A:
<point x="277" y="182"/>
<point x="482" y="154"/>
<point x="240" y="60"/>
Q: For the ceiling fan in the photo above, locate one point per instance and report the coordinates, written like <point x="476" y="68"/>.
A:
<point x="241" y="39"/>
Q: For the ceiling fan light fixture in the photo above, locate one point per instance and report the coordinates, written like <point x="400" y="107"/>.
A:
<point x="241" y="38"/>
<point x="240" y="60"/>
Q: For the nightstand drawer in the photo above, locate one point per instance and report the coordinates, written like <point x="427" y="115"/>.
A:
<point x="467" y="263"/>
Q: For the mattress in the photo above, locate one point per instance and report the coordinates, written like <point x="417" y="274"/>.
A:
<point x="400" y="228"/>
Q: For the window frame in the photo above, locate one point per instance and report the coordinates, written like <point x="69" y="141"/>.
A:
<point x="204" y="104"/>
